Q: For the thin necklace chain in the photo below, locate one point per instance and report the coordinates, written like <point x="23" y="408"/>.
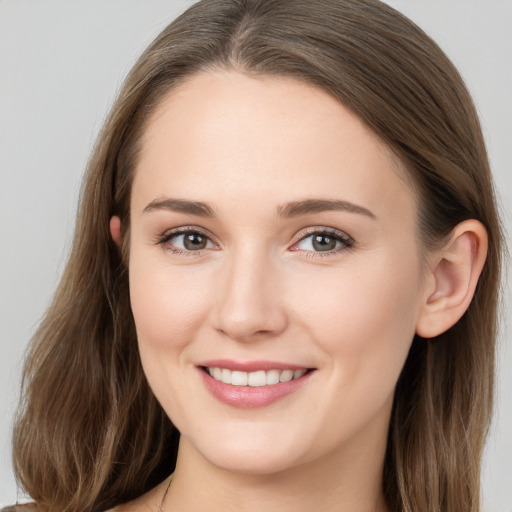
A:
<point x="162" y="503"/>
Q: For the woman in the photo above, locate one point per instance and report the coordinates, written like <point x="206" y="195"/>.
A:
<point x="284" y="277"/>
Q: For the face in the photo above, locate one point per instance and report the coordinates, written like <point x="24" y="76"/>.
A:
<point x="274" y="272"/>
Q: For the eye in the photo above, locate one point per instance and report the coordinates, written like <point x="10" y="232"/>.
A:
<point x="186" y="240"/>
<point x="323" y="241"/>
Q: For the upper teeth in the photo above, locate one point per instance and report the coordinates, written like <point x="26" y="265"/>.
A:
<point x="255" y="379"/>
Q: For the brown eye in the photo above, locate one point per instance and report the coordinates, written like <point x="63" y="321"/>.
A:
<point x="186" y="241"/>
<point x="324" y="242"/>
<point x="194" y="241"/>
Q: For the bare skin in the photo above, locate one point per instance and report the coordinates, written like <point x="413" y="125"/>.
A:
<point x="275" y="275"/>
<point x="150" y="501"/>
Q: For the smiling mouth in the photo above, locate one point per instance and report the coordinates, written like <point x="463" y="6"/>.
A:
<point x="252" y="384"/>
<point x="254" y="379"/>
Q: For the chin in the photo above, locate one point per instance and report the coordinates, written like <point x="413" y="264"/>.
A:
<point x="250" y="464"/>
<point x="248" y="457"/>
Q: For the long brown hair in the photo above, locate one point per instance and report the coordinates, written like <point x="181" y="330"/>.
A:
<point x="90" y="434"/>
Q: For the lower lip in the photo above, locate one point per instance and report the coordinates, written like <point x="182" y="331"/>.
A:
<point x="249" y="397"/>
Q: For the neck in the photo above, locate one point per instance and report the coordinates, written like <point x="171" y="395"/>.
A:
<point x="354" y="486"/>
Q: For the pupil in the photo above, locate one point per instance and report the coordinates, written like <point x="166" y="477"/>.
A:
<point x="324" y="243"/>
<point x="194" y="241"/>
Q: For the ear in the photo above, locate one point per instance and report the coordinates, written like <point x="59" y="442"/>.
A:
<point x="115" y="230"/>
<point x="453" y="275"/>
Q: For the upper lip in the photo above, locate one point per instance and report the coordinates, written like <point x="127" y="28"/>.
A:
<point x="251" y="366"/>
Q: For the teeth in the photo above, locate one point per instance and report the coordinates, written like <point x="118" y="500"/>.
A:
<point x="254" y="379"/>
<point x="239" y="378"/>
<point x="225" y="376"/>
<point x="298" y="373"/>
<point x="286" y="375"/>
<point x="273" y="376"/>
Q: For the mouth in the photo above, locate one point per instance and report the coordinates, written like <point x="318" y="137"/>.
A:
<point x="254" y="384"/>
<point x="256" y="378"/>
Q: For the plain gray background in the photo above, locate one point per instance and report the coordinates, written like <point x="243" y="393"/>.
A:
<point x="61" y="63"/>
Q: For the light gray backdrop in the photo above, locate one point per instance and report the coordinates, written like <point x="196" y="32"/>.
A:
<point x="61" y="63"/>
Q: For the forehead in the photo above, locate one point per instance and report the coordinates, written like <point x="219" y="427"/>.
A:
<point x="222" y="134"/>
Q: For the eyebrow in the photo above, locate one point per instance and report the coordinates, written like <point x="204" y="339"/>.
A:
<point x="289" y="210"/>
<point x="182" y="206"/>
<point x="297" y="208"/>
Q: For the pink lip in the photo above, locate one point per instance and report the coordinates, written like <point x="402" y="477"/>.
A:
<point x="249" y="366"/>
<point x="248" y="397"/>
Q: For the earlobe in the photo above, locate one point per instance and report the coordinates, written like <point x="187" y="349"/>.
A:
<point x="115" y="230"/>
<point x="455" y="271"/>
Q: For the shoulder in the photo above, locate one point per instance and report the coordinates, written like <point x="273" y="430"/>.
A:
<point x="26" y="507"/>
<point x="32" y="507"/>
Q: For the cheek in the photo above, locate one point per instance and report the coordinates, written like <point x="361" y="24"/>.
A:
<point x="364" y="315"/>
<point x="364" y="323"/>
<point x="168" y="307"/>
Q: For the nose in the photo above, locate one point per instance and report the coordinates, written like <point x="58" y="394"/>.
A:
<point x="249" y="303"/>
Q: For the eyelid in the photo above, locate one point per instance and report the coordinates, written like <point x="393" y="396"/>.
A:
<point x="345" y="238"/>
<point x="163" y="238"/>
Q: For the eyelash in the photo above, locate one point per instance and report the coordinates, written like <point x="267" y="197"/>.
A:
<point x="187" y="230"/>
<point x="346" y="241"/>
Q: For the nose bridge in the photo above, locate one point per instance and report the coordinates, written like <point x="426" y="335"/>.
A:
<point x="248" y="304"/>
